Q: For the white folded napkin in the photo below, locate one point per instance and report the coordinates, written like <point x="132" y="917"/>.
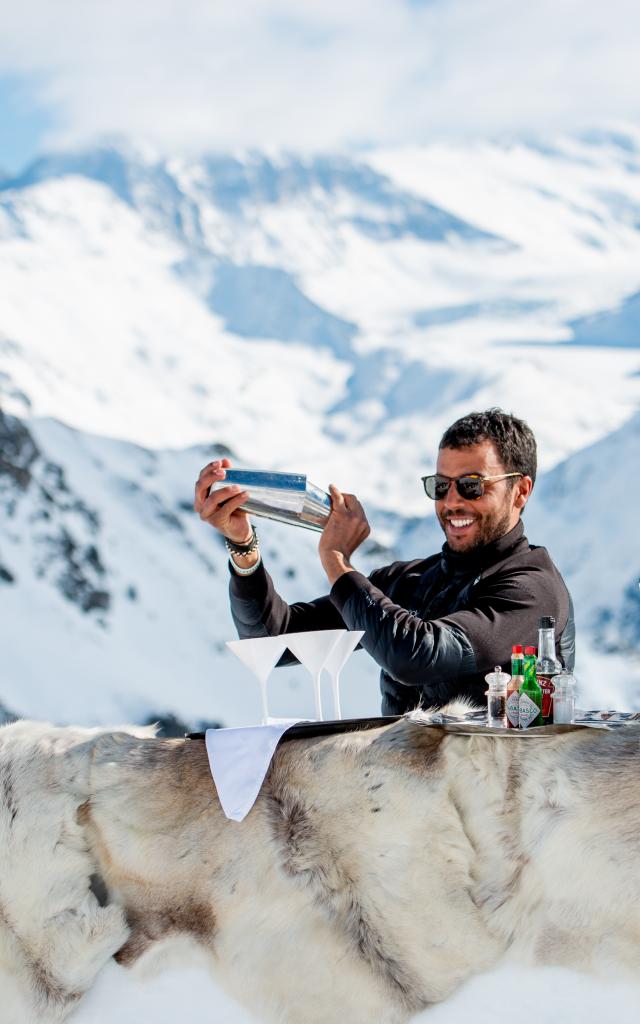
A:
<point x="239" y="760"/>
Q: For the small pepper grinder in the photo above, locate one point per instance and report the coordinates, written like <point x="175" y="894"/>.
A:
<point x="497" y="698"/>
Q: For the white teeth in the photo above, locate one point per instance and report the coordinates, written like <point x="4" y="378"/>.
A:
<point x="461" y="522"/>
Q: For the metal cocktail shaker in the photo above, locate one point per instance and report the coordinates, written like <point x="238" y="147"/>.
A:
<point x="285" y="497"/>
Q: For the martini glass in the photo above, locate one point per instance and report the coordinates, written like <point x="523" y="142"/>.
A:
<point x="336" y="661"/>
<point x="260" y="655"/>
<point x="312" y="650"/>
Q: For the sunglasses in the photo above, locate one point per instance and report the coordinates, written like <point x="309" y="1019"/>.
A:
<point x="470" y="486"/>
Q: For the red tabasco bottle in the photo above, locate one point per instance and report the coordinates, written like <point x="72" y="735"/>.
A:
<point x="513" y="689"/>
<point x="547" y="665"/>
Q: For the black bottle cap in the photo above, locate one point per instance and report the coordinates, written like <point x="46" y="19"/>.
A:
<point x="547" y="622"/>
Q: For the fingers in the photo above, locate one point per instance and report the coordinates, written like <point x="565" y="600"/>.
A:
<point x="224" y="501"/>
<point x="346" y="529"/>
<point x="337" y="499"/>
<point x="344" y="502"/>
<point x="352" y="504"/>
<point x="212" y="472"/>
<point x="347" y="511"/>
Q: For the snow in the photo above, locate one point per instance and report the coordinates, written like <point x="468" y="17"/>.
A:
<point x="326" y="315"/>
<point x="121" y="996"/>
<point x="143" y="325"/>
<point x="538" y="996"/>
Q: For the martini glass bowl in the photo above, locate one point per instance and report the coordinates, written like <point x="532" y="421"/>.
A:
<point x="260" y="656"/>
<point x="336" y="661"/>
<point x="312" y="650"/>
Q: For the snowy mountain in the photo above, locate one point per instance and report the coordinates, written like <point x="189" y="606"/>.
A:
<point x="106" y="571"/>
<point x="585" y="509"/>
<point x="328" y="315"/>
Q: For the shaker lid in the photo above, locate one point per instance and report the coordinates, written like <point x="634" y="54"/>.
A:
<point x="497" y="678"/>
<point x="563" y="681"/>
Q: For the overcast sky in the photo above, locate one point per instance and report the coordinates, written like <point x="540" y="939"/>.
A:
<point x="194" y="74"/>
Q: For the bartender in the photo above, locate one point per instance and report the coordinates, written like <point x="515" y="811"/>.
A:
<point x="434" y="625"/>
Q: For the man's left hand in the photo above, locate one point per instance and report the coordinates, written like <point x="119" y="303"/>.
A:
<point x="345" y="531"/>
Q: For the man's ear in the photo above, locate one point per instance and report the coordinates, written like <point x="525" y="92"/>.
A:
<point x="523" y="489"/>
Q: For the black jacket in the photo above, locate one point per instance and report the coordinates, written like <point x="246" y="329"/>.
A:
<point x="436" y="625"/>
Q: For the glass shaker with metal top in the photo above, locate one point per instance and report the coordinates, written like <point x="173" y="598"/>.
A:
<point x="564" y="698"/>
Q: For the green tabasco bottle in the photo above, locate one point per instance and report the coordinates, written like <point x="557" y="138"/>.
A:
<point x="513" y="689"/>
<point x="530" y="704"/>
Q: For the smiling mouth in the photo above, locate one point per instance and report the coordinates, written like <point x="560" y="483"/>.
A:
<point x="459" y="523"/>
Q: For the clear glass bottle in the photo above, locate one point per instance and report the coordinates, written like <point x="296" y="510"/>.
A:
<point x="547" y="665"/>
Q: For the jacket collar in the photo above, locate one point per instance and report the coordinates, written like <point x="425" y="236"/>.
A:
<point x="459" y="562"/>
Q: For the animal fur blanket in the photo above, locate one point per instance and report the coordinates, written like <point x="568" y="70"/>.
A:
<point x="376" y="872"/>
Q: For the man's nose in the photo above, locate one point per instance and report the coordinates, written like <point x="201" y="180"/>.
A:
<point x="452" y="499"/>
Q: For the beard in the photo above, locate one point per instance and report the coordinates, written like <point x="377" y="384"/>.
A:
<point x="488" y="528"/>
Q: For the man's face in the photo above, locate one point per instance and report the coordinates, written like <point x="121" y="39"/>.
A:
<point x="469" y="524"/>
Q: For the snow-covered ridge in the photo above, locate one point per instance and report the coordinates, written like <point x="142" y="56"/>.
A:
<point x="328" y="315"/>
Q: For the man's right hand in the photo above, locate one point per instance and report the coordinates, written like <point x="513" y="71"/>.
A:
<point x="221" y="509"/>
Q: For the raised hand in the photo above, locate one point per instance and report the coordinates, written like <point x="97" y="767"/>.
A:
<point x="221" y="508"/>
<point x="345" y="531"/>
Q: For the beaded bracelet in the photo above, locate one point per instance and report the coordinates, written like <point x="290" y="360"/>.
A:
<point x="243" y="549"/>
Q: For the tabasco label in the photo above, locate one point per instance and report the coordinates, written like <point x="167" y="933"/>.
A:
<point x="513" y="709"/>
<point x="546" y="685"/>
<point x="528" y="712"/>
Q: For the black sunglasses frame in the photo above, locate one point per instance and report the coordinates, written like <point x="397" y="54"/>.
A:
<point x="468" y="482"/>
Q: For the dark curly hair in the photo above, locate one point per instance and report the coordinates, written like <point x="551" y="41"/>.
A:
<point x="513" y="439"/>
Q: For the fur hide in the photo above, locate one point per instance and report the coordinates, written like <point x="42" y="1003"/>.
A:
<point x="376" y="872"/>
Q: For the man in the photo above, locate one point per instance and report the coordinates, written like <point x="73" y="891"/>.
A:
<point x="437" y="625"/>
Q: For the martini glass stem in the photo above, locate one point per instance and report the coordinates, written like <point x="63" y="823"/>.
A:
<point x="264" y="701"/>
<point x="318" y="695"/>
<point x="335" y="680"/>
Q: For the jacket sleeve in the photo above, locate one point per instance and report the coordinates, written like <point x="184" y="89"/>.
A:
<point x="430" y="654"/>
<point x="414" y="651"/>
<point x="258" y="610"/>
